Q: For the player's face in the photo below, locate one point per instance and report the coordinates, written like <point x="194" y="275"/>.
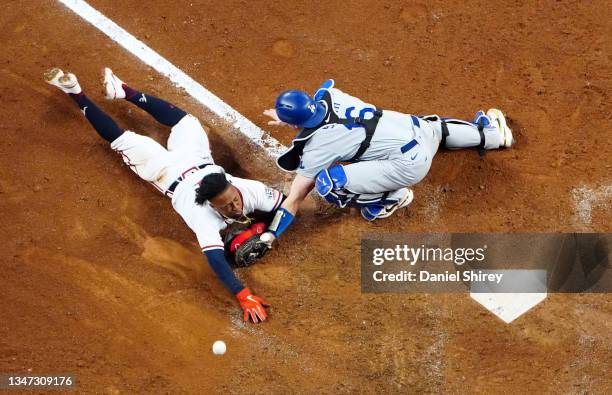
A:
<point x="228" y="202"/>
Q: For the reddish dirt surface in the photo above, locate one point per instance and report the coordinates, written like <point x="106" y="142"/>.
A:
<point x="101" y="278"/>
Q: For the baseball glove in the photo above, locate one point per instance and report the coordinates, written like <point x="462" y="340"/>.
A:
<point x="242" y="245"/>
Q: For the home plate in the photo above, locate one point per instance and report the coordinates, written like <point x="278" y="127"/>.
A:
<point x="508" y="306"/>
<point x="523" y="290"/>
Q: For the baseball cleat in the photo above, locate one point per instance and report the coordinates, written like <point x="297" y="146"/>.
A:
<point x="404" y="202"/>
<point x="67" y="82"/>
<point x="113" y="86"/>
<point x="498" y="119"/>
<point x="373" y="212"/>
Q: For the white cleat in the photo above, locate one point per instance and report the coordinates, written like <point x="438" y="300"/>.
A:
<point x="498" y="119"/>
<point x="391" y="208"/>
<point x="67" y="82"/>
<point x="113" y="86"/>
<point x="372" y="213"/>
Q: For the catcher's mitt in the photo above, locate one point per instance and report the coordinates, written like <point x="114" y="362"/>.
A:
<point x="242" y="246"/>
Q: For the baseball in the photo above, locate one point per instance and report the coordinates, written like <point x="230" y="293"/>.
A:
<point x="219" y="347"/>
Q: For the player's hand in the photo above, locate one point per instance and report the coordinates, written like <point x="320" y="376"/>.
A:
<point x="275" y="120"/>
<point x="252" y="306"/>
<point x="267" y="238"/>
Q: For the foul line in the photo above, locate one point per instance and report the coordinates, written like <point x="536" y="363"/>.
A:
<point x="178" y="77"/>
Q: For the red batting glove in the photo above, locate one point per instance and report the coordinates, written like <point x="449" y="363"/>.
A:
<point x="253" y="306"/>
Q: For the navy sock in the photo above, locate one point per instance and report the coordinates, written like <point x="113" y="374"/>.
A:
<point x="163" y="112"/>
<point x="104" y="124"/>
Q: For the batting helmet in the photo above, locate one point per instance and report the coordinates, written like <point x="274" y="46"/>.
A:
<point x="298" y="108"/>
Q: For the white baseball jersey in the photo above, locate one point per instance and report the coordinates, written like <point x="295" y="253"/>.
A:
<point x="205" y="221"/>
<point x="188" y="148"/>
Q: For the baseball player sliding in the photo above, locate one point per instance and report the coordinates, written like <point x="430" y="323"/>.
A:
<point x="388" y="151"/>
<point x="205" y="196"/>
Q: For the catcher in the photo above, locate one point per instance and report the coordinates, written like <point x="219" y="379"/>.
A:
<point x="205" y="196"/>
<point x="357" y="155"/>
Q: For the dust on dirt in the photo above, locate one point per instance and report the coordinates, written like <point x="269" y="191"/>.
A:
<point x="100" y="277"/>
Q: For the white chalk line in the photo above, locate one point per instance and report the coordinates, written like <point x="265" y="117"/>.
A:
<point x="148" y="56"/>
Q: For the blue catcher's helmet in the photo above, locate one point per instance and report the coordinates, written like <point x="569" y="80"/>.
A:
<point x="298" y="108"/>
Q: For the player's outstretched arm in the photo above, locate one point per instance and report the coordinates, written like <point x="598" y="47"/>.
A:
<point x="271" y="113"/>
<point x="300" y="188"/>
<point x="252" y="306"/>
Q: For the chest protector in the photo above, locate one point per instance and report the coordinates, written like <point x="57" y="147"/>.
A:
<point x="290" y="160"/>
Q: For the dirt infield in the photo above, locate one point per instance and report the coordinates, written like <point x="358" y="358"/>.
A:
<point x="101" y="278"/>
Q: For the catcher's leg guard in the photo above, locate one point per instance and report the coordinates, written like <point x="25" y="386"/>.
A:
<point x="330" y="185"/>
<point x="480" y="133"/>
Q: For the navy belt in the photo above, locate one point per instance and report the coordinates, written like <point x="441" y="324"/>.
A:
<point x="186" y="173"/>
<point x="407" y="147"/>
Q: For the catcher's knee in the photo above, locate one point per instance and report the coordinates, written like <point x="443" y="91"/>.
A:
<point x="330" y="185"/>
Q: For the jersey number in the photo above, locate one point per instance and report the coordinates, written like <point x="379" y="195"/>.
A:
<point x="362" y="113"/>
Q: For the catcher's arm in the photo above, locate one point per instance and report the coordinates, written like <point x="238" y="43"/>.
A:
<point x="300" y="188"/>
